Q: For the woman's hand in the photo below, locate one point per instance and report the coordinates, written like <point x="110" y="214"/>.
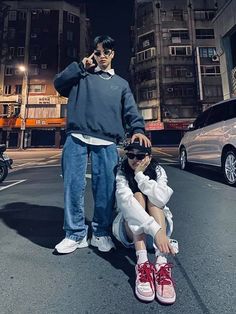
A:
<point x="88" y="62"/>
<point x="163" y="243"/>
<point x="142" y="165"/>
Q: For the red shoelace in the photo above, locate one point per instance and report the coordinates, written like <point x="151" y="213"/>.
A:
<point x="163" y="275"/>
<point x="145" y="273"/>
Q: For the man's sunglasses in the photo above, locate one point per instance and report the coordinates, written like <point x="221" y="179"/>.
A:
<point x="138" y="156"/>
<point x="106" y="52"/>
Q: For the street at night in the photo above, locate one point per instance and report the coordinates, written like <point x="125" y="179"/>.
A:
<point x="34" y="280"/>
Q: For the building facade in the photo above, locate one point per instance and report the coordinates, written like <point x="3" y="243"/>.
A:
<point x="175" y="68"/>
<point x="225" y="31"/>
<point x="39" y="39"/>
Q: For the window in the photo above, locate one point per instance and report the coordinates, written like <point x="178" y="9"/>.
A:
<point x="7" y="89"/>
<point x="180" y="50"/>
<point x="201" y="119"/>
<point x="217" y="114"/>
<point x="210" y="70"/>
<point x="9" y="70"/>
<point x="207" y="52"/>
<point x="37" y="88"/>
<point x="182" y="34"/>
<point x="146" y="54"/>
<point x="205" y="33"/>
<point x="70" y="18"/>
<point x="11" y="33"/>
<point x="33" y="69"/>
<point x="232" y="109"/>
<point x="147" y="114"/>
<point x="16" y="110"/>
<point x="42" y="111"/>
<point x="71" y="52"/>
<point x="20" y="51"/>
<point x="180" y="91"/>
<point x="212" y="91"/>
<point x="22" y="15"/>
<point x="204" y="15"/>
<point x="12" y="15"/>
<point x="145" y="75"/>
<point x="18" y="89"/>
<point x="69" y="35"/>
<point x="5" y="109"/>
<point x="178" y="71"/>
<point x="148" y="93"/>
<point x="177" y="15"/>
<point x="11" y="51"/>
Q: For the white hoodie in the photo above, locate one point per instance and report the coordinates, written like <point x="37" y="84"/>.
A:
<point x="158" y="193"/>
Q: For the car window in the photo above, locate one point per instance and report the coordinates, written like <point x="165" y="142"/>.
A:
<point x="232" y="110"/>
<point x="217" y="114"/>
<point x="201" y="119"/>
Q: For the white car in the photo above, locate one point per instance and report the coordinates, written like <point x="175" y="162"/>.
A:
<point x="211" y="140"/>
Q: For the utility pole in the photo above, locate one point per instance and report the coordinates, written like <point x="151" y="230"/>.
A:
<point x="25" y="83"/>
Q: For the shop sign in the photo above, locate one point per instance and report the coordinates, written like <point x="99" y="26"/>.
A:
<point x="43" y="100"/>
<point x="154" y="125"/>
<point x="178" y="125"/>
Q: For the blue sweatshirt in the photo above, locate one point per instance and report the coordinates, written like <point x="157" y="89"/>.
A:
<point x="98" y="107"/>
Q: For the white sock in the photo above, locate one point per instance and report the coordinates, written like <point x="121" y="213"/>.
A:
<point x="161" y="259"/>
<point x="141" y="256"/>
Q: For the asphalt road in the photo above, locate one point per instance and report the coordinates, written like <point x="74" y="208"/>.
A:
<point x="34" y="280"/>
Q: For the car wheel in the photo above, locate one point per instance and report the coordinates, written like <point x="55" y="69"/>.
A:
<point x="229" y="168"/>
<point x="183" y="159"/>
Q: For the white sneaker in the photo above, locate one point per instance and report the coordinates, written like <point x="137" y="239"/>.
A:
<point x="104" y="243"/>
<point x="68" y="246"/>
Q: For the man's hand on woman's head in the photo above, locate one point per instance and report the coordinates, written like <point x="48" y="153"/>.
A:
<point x="142" y="139"/>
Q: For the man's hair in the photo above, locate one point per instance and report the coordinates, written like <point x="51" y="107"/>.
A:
<point x="106" y="41"/>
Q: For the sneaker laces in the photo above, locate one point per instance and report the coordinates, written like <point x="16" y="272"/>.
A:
<point x="145" y="272"/>
<point x="163" y="275"/>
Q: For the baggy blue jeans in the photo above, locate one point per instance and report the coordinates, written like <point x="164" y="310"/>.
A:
<point x="104" y="160"/>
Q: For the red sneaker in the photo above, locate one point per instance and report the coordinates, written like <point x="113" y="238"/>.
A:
<point x="165" y="291"/>
<point x="144" y="285"/>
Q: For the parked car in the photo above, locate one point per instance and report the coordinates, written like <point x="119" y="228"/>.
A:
<point x="211" y="140"/>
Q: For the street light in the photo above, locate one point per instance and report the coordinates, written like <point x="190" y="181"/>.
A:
<point x="25" y="93"/>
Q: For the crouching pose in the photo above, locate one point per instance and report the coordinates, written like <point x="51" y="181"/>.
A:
<point x="142" y="194"/>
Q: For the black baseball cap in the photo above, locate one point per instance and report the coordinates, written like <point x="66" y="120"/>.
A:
<point x="136" y="145"/>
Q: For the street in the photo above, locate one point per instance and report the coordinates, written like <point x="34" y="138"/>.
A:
<point x="34" y="280"/>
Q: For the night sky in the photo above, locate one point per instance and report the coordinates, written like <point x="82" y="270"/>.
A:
<point x="114" y="18"/>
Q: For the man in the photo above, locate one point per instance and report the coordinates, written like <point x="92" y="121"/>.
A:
<point x="99" y="103"/>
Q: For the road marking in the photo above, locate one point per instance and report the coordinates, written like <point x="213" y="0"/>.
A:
<point x="57" y="155"/>
<point x="10" y="185"/>
<point x="161" y="152"/>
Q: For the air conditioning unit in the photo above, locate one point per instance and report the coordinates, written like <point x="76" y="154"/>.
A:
<point x="215" y="58"/>
<point x="33" y="57"/>
<point x="170" y="89"/>
<point x="189" y="74"/>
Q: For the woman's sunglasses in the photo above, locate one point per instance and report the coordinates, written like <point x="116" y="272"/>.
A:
<point x="106" y="52"/>
<point x="138" y="156"/>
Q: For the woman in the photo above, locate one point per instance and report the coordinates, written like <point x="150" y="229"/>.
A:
<point x="142" y="194"/>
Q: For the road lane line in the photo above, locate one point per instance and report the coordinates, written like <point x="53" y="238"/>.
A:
<point x="161" y="152"/>
<point x="10" y="185"/>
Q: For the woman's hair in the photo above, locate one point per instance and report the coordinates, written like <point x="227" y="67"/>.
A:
<point x="129" y="173"/>
<point x="106" y="41"/>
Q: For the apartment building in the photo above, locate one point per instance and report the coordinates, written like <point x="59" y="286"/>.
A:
<point x="225" y="32"/>
<point x="39" y="38"/>
<point x="175" y="68"/>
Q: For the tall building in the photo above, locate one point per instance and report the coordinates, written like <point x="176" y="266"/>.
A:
<point x="175" y="68"/>
<point x="225" y="31"/>
<point x="39" y="38"/>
